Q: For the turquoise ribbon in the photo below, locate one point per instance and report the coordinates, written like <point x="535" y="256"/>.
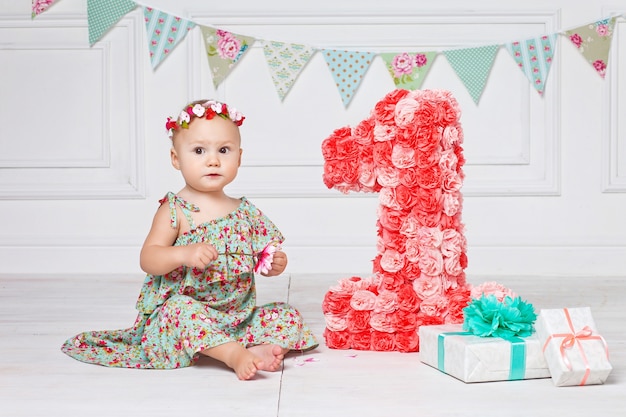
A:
<point x="518" y="357"/>
<point x="518" y="354"/>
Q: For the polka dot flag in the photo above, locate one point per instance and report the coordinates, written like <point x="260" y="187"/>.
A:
<point x="347" y="69"/>
<point x="473" y="66"/>
<point x="101" y="15"/>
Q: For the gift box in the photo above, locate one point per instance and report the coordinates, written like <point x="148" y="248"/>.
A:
<point x="574" y="350"/>
<point x="472" y="358"/>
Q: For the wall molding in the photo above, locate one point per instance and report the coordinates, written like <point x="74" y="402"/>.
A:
<point x="614" y="128"/>
<point x="115" y="167"/>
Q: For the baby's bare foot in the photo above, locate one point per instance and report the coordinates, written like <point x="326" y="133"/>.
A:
<point x="271" y="356"/>
<point x="245" y="364"/>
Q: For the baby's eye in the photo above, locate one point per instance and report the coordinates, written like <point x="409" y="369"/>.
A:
<point x="224" y="149"/>
<point x="198" y="151"/>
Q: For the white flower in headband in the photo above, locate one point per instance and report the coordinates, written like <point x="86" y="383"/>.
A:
<point x="209" y="109"/>
<point x="198" y="110"/>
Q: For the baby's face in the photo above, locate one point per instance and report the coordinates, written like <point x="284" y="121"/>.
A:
<point x="208" y="153"/>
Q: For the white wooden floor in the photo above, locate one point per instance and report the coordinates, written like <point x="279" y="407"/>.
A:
<point x="37" y="313"/>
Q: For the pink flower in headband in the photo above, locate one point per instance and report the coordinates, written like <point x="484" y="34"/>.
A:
<point x="265" y="258"/>
<point x="208" y="109"/>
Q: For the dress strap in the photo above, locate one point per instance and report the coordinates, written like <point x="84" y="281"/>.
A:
<point x="186" y="208"/>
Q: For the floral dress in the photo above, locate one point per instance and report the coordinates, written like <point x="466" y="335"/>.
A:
<point x="189" y="310"/>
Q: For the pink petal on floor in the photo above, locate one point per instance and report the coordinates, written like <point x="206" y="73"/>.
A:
<point x="302" y="362"/>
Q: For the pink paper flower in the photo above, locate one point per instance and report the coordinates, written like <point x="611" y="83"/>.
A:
<point x="392" y="261"/>
<point x="363" y="300"/>
<point x="405" y="111"/>
<point x="386" y="302"/>
<point x="492" y="288"/>
<point x="265" y="258"/>
<point x="336" y="323"/>
<point x="427" y="287"/>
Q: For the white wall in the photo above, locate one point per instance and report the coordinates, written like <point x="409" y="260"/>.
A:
<point x="84" y="157"/>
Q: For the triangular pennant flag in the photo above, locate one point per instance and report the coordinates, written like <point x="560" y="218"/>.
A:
<point x="593" y="41"/>
<point x="101" y="15"/>
<point x="347" y="68"/>
<point x="224" y="49"/>
<point x="286" y="61"/>
<point x="40" y="6"/>
<point x="408" y="69"/>
<point x="164" y="33"/>
<point x="473" y="66"/>
<point x="534" y="57"/>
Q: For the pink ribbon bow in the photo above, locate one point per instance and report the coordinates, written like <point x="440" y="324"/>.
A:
<point x="570" y="339"/>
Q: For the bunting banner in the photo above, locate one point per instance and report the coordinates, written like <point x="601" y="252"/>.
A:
<point x="40" y="6"/>
<point x="347" y="69"/>
<point x="285" y="62"/>
<point x="534" y="57"/>
<point x="473" y="66"/>
<point x="102" y="15"/>
<point x="593" y="41"/>
<point x="164" y="33"/>
<point x="408" y="69"/>
<point x="224" y="49"/>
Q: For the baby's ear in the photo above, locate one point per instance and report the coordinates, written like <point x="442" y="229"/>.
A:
<point x="174" y="158"/>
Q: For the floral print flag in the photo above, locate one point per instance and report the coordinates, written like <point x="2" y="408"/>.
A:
<point x="534" y="57"/>
<point x="347" y="69"/>
<point x="224" y="49"/>
<point x="164" y="33"/>
<point x="101" y="15"/>
<point x="286" y="61"/>
<point x="40" y="6"/>
<point x="593" y="41"/>
<point x="473" y="66"/>
<point x="408" y="69"/>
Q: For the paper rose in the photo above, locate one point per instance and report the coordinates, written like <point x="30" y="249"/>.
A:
<point x="492" y="288"/>
<point x="486" y="316"/>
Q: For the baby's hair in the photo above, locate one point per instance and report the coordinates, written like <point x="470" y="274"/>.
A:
<point x="203" y="108"/>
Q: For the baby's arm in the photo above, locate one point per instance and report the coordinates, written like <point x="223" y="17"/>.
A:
<point x="158" y="256"/>
<point x="279" y="263"/>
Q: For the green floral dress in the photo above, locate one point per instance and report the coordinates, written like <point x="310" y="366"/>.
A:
<point x="189" y="310"/>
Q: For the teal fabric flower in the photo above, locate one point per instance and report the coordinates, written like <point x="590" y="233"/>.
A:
<point x="486" y="316"/>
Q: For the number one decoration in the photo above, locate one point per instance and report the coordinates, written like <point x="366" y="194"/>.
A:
<point x="409" y="152"/>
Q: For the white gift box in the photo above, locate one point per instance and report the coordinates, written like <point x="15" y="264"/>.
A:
<point x="576" y="353"/>
<point x="480" y="359"/>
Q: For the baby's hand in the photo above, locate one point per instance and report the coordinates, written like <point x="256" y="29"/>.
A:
<point x="199" y="255"/>
<point x="279" y="263"/>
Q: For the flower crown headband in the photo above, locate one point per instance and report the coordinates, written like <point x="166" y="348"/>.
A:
<point x="208" y="109"/>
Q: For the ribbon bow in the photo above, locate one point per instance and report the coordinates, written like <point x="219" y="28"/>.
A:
<point x="570" y="339"/>
<point x="574" y="338"/>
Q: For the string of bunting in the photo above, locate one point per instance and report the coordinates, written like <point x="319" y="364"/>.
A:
<point x="408" y="69"/>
